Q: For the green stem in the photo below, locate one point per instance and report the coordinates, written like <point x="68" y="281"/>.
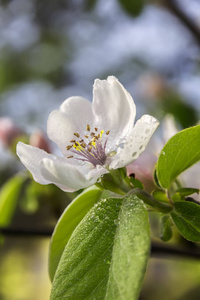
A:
<point x="150" y="200"/>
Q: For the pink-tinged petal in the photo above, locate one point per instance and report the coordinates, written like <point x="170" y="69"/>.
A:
<point x="31" y="157"/>
<point x="135" y="143"/>
<point x="72" y="117"/>
<point x="69" y="177"/>
<point x="114" y="109"/>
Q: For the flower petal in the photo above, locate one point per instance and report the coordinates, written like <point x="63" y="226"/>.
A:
<point x="136" y="142"/>
<point x="47" y="168"/>
<point x="71" y="177"/>
<point x="73" y="116"/>
<point x="31" y="157"/>
<point x="114" y="109"/>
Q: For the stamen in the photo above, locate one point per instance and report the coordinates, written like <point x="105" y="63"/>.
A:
<point x="92" y="151"/>
<point x="101" y="133"/>
<point x="69" y="147"/>
<point x="77" y="134"/>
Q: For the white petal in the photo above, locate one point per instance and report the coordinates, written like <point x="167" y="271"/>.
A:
<point x="47" y="168"/>
<point x="73" y="116"/>
<point x="136" y="142"/>
<point x="31" y="157"/>
<point x="114" y="109"/>
<point x="68" y="176"/>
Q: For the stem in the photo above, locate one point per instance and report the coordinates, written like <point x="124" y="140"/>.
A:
<point x="150" y="200"/>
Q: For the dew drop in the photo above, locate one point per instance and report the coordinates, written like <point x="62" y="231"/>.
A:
<point x="116" y="221"/>
<point x="147" y="131"/>
<point x="134" y="154"/>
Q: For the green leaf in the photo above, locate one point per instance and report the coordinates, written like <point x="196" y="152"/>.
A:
<point x="70" y="218"/>
<point x="189" y="211"/>
<point x="132" y="7"/>
<point x="166" y="228"/>
<point x="187" y="219"/>
<point x="136" y="183"/>
<point x="107" y="254"/>
<point x="180" y="153"/>
<point x="9" y="194"/>
<point x="155" y="177"/>
<point x="187" y="191"/>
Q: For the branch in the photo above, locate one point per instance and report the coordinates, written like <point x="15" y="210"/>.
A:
<point x="47" y="232"/>
<point x="186" y="21"/>
<point x="163" y="250"/>
<point x="157" y="249"/>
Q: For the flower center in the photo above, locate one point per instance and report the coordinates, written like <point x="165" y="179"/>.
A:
<point x="90" y="148"/>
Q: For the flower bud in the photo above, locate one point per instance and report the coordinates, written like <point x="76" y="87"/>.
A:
<point x="9" y="132"/>
<point x="143" y="169"/>
<point x="39" y="140"/>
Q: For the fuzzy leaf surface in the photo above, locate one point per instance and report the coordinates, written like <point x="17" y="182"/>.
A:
<point x="107" y="254"/>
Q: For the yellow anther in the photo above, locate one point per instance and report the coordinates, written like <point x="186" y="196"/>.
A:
<point x="86" y="136"/>
<point x="94" y="144"/>
<point x="101" y="133"/>
<point x="77" y="144"/>
<point x="108" y="132"/>
<point x="77" y="134"/>
<point x="72" y="141"/>
<point x="70" y="156"/>
<point x="69" y="147"/>
<point x="90" y="148"/>
<point x="83" y="145"/>
<point x="96" y="129"/>
<point x="88" y="127"/>
<point x="98" y="136"/>
<point x="81" y="141"/>
<point x="92" y="134"/>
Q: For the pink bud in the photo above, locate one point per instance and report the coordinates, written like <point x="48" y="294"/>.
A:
<point x="8" y="132"/>
<point x="143" y="169"/>
<point x="39" y="140"/>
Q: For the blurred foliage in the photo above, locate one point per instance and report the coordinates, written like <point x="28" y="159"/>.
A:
<point x="183" y="112"/>
<point x="132" y="7"/>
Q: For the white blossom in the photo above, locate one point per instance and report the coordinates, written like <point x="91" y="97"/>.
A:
<point x="93" y="138"/>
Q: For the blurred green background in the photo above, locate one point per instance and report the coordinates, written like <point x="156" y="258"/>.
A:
<point x="51" y="50"/>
